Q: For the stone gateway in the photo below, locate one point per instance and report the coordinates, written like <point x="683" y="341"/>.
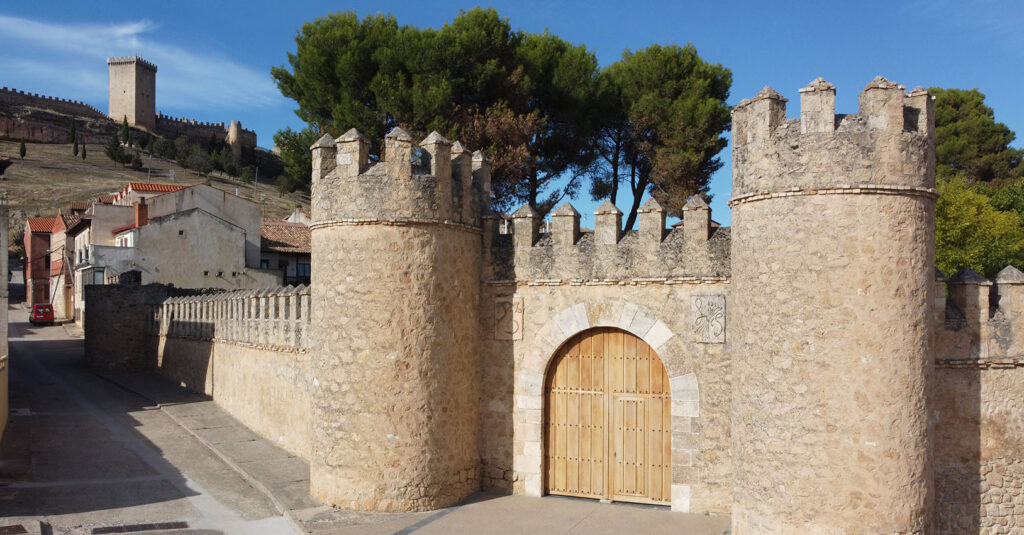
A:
<point x="805" y="371"/>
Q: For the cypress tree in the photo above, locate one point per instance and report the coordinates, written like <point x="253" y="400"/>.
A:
<point x="21" y="149"/>
<point x="126" y="134"/>
<point x="74" y="148"/>
<point x="83" y="151"/>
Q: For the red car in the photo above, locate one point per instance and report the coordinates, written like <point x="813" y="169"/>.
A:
<point x="41" y="314"/>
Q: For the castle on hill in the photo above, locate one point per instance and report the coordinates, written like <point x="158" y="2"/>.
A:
<point x="131" y="95"/>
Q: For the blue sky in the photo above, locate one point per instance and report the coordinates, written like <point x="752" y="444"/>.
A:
<point x="214" y="57"/>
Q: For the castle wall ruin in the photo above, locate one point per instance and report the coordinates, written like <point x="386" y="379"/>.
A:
<point x="823" y="378"/>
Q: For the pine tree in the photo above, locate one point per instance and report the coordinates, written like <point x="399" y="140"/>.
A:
<point x="114" y="150"/>
<point x="21" y="149"/>
<point x="74" y="148"/>
<point x="126" y="134"/>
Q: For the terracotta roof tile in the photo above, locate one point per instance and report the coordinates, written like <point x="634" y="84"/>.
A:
<point x="77" y="206"/>
<point x="106" y="199"/>
<point x="42" y="224"/>
<point x="284" y="237"/>
<point x="165" y="188"/>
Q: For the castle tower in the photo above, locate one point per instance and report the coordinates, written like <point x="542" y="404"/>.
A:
<point x="833" y="280"/>
<point x="132" y="91"/>
<point x="235" y="139"/>
<point x="395" y="340"/>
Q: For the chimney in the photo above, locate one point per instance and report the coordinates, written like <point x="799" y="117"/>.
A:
<point x="141" y="213"/>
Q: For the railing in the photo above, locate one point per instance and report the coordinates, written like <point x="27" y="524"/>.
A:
<point x="274" y="317"/>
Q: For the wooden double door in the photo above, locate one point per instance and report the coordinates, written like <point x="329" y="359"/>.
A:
<point x="608" y="431"/>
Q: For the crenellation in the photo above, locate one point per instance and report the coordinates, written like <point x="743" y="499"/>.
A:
<point x="818" y="107"/>
<point x="607" y="224"/>
<point x="525" y="230"/>
<point x="651" y="221"/>
<point x="696" y="220"/>
<point x="881" y="103"/>
<point x="481" y="183"/>
<point x="440" y="151"/>
<point x="565" y="225"/>
<point x="462" y="178"/>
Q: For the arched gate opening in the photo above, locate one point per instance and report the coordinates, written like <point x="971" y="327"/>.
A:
<point x="608" y="420"/>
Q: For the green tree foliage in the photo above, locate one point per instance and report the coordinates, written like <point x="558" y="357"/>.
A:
<point x="136" y="161"/>
<point x="164" y="148"/>
<point x="523" y="98"/>
<point x="74" y="133"/>
<point x="84" y="150"/>
<point x="126" y="133"/>
<point x="969" y="141"/>
<point x="298" y="160"/>
<point x="664" y="113"/>
<point x="115" y="151"/>
<point x="21" y="150"/>
<point x="144" y="141"/>
<point x="970" y="232"/>
<point x="74" y="148"/>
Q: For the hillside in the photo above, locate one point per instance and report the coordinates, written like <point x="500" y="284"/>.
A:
<point x="50" y="177"/>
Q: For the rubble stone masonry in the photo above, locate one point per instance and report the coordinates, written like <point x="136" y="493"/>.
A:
<point x="823" y="377"/>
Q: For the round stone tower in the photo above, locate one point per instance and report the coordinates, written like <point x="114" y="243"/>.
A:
<point x="833" y="274"/>
<point x="395" y="340"/>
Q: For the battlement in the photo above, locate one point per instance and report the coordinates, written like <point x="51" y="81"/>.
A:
<point x="128" y="60"/>
<point x="187" y="122"/>
<point x="173" y="127"/>
<point x="10" y="97"/>
<point x="887" y="146"/>
<point x="692" y="252"/>
<point x="436" y="181"/>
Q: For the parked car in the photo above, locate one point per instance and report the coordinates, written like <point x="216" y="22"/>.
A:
<point x="41" y="314"/>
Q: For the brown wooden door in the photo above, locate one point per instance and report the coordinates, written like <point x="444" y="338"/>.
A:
<point x="608" y="420"/>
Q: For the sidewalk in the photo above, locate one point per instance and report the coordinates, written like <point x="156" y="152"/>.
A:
<point x="284" y="478"/>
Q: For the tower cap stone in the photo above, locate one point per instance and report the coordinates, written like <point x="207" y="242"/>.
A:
<point x="652" y="205"/>
<point x="434" y="139"/>
<point x="768" y="92"/>
<point x="696" y="202"/>
<point x="479" y="156"/>
<point x="818" y="84"/>
<point x="351" y="135"/>
<point x="566" y="209"/>
<point x="880" y="82"/>
<point x="607" y="208"/>
<point x="398" y="133"/>
<point x="967" y="275"/>
<point x="1010" y="275"/>
<point x="325" y="142"/>
<point x="458" y="147"/>
<point x="525" y="211"/>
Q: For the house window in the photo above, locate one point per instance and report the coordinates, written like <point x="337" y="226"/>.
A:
<point x="301" y="270"/>
<point x="97" y="276"/>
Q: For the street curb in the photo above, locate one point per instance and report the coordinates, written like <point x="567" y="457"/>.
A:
<point x="249" y="478"/>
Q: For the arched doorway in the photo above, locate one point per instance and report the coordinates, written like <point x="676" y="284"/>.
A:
<point x="608" y="420"/>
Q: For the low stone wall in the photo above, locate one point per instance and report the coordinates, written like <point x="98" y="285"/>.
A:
<point x="247" y="349"/>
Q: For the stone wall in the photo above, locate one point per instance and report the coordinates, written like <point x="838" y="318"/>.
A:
<point x="12" y="98"/>
<point x="976" y="414"/>
<point x="201" y="132"/>
<point x="117" y="327"/>
<point x="246" y="349"/>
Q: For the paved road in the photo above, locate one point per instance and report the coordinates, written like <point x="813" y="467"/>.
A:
<point x="81" y="453"/>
